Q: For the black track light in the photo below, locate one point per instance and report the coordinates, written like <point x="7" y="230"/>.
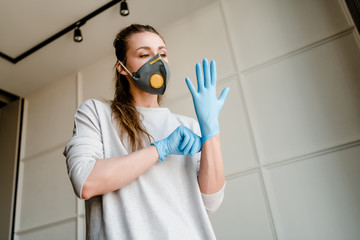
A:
<point x="124" y="10"/>
<point x="77" y="35"/>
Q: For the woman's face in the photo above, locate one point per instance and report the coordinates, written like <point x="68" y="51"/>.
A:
<point x="141" y="48"/>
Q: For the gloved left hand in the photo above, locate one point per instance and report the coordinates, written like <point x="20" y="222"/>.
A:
<point x="181" y="141"/>
<point x="207" y="105"/>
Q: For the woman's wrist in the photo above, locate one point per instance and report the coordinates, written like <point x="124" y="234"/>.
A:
<point x="211" y="173"/>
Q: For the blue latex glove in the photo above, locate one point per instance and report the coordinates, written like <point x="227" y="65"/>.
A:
<point x="181" y="141"/>
<point x="207" y="105"/>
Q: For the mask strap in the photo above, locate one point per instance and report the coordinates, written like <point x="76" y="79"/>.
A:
<point x="125" y="68"/>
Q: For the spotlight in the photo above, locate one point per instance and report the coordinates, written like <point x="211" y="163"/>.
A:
<point x="77" y="35"/>
<point x="124" y="10"/>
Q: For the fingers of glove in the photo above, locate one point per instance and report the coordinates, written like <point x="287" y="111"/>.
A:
<point x="213" y="72"/>
<point x="223" y="96"/>
<point x="184" y="141"/>
<point x="199" y="76"/>
<point x="187" y="136"/>
<point x="196" y="147"/>
<point x="207" y="79"/>
<point x="189" y="145"/>
<point x="173" y="141"/>
<point x="190" y="86"/>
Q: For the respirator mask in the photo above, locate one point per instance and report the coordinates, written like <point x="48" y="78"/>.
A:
<point x="153" y="76"/>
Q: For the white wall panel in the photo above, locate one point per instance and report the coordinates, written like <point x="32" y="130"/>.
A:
<point x="196" y="36"/>
<point x="243" y="213"/>
<point x="97" y="80"/>
<point x="236" y="144"/>
<point x="63" y="231"/>
<point x="317" y="198"/>
<point x="81" y="228"/>
<point x="263" y="29"/>
<point x="307" y="102"/>
<point x="50" y="116"/>
<point x="80" y="207"/>
<point x="298" y="104"/>
<point x="47" y="194"/>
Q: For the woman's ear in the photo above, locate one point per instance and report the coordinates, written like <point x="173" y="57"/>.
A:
<point x="120" y="69"/>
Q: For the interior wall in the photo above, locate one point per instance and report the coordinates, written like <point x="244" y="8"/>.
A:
<point x="46" y="205"/>
<point x="289" y="128"/>
<point x="10" y="115"/>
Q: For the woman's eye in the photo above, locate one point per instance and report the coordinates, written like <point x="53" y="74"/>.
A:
<point x="144" y="55"/>
<point x="163" y="55"/>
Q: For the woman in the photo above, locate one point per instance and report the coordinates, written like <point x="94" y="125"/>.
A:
<point x="136" y="164"/>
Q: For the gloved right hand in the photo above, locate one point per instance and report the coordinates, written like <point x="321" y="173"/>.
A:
<point x="181" y="141"/>
<point x="207" y="105"/>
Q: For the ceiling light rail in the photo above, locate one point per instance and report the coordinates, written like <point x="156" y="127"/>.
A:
<point x="75" y="26"/>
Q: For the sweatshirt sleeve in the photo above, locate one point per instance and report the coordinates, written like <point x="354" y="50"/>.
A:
<point x="213" y="201"/>
<point x="85" y="147"/>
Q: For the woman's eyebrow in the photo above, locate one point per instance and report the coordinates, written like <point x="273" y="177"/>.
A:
<point x="148" y="48"/>
<point x="144" y="47"/>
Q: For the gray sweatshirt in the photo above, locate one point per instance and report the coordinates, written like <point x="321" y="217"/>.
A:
<point x="163" y="203"/>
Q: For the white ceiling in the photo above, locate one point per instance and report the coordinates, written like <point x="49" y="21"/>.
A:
<point x="23" y="24"/>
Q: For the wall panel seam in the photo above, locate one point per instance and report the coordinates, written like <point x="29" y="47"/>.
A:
<point x="295" y="159"/>
<point x="44" y="152"/>
<point x="47" y="225"/>
<point x="24" y="129"/>
<point x="79" y="99"/>
<point x="300" y="50"/>
<point x="267" y="203"/>
<point x="346" y="12"/>
<point x="357" y="37"/>
<point x="241" y="87"/>
<point x="248" y="121"/>
<point x="21" y="166"/>
<point x="226" y="79"/>
<point x="79" y="88"/>
<point x="79" y="233"/>
<point x="312" y="154"/>
<point x="241" y="173"/>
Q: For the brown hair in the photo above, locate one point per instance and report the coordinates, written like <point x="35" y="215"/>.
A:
<point x="122" y="106"/>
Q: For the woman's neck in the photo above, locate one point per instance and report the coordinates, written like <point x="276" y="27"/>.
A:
<point x="144" y="99"/>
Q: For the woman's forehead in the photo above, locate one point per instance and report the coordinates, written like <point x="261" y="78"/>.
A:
<point x="145" y="39"/>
